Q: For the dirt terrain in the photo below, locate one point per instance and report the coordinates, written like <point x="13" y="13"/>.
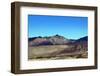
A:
<point x="56" y="52"/>
<point x="57" y="47"/>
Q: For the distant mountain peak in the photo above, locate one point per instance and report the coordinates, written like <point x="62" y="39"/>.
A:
<point x="57" y="35"/>
<point x="83" y="38"/>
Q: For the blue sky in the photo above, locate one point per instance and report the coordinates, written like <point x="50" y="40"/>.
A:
<point x="70" y="27"/>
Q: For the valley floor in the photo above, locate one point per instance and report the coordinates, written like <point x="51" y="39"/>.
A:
<point x="54" y="52"/>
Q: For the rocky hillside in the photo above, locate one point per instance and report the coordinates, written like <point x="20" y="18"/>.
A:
<point x="55" y="40"/>
<point x="57" y="47"/>
<point x="51" y="40"/>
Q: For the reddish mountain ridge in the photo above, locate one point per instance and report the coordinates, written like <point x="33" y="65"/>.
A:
<point x="55" y="40"/>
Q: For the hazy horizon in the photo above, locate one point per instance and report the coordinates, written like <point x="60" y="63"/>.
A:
<point x="67" y="26"/>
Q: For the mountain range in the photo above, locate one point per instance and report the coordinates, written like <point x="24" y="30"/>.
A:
<point x="57" y="47"/>
<point x="56" y="40"/>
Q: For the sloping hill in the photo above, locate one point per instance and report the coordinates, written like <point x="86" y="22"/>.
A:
<point x="51" y="40"/>
<point x="57" y="47"/>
